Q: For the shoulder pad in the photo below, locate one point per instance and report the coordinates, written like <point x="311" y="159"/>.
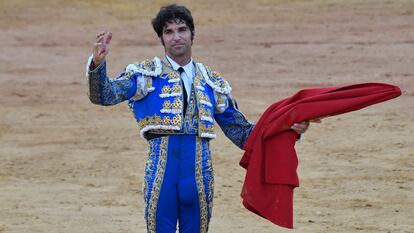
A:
<point x="214" y="80"/>
<point x="148" y="67"/>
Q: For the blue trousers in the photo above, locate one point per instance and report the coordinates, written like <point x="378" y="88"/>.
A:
<point x="178" y="185"/>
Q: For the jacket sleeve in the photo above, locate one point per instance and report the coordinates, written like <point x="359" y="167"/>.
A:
<point x="233" y="122"/>
<point x="104" y="91"/>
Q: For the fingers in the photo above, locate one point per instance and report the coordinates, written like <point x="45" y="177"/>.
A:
<point x="101" y="46"/>
<point x="100" y="37"/>
<point x="102" y="50"/>
<point x="316" y="120"/>
<point x="300" y="127"/>
<point x="108" y="37"/>
<point x="97" y="49"/>
<point x="100" y="34"/>
<point x="104" y="37"/>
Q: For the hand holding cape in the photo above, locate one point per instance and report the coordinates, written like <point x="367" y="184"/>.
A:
<point x="270" y="157"/>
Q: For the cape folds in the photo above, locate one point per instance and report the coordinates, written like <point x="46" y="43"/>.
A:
<point x="270" y="159"/>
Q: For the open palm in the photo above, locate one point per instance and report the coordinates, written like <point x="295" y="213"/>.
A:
<point x="101" y="47"/>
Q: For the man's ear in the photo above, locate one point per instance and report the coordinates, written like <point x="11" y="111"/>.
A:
<point x="162" y="40"/>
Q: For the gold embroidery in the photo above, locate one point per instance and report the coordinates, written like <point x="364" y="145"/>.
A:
<point x="203" y="97"/>
<point x="219" y="99"/>
<point x="200" y="187"/>
<point x="216" y="81"/>
<point x="211" y="191"/>
<point x="149" y="82"/>
<point x="176" y="121"/>
<point x="165" y="89"/>
<point x="163" y="123"/>
<point x="157" y="120"/>
<point x="174" y="107"/>
<point x="173" y="75"/>
<point x="170" y="119"/>
<point x="205" y="129"/>
<point x="141" y="123"/>
<point x="156" y="188"/>
<point x="215" y="74"/>
<point x="199" y="95"/>
<point x="196" y="82"/>
<point x="151" y="121"/>
<point x="176" y="88"/>
<point x="147" y="63"/>
<point x="166" y="120"/>
<point x="166" y="104"/>
<point x="191" y="117"/>
<point x="204" y="112"/>
<point x="177" y="103"/>
<point x="199" y="79"/>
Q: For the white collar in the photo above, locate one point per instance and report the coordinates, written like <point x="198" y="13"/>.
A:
<point x="188" y="69"/>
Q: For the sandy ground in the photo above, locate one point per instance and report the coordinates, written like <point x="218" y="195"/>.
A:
<point x="67" y="165"/>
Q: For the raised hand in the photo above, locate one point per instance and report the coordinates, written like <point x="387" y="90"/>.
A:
<point x="101" y="47"/>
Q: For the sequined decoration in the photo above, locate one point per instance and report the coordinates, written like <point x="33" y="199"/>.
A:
<point x="191" y="117"/>
<point x="204" y="215"/>
<point x="208" y="176"/>
<point x="154" y="175"/>
<point x="235" y="125"/>
<point x="102" y="90"/>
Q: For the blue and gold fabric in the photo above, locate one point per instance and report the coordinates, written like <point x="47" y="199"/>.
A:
<point x="179" y="179"/>
<point x="178" y="184"/>
<point x="161" y="107"/>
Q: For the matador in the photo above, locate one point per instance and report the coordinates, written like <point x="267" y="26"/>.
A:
<point x="175" y="101"/>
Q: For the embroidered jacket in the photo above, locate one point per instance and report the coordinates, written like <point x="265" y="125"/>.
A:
<point x="154" y="93"/>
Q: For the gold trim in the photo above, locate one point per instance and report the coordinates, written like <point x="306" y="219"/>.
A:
<point x="166" y="104"/>
<point x="149" y="82"/>
<point x="176" y="88"/>
<point x="165" y="89"/>
<point x="205" y="129"/>
<point x="156" y="120"/>
<point x="173" y="75"/>
<point x="202" y="96"/>
<point x="200" y="187"/>
<point x="156" y="187"/>
<point x="177" y="104"/>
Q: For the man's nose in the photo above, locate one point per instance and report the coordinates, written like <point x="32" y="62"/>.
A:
<point x="176" y="36"/>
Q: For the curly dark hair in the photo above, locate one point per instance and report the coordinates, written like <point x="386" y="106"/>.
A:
<point x="172" y="13"/>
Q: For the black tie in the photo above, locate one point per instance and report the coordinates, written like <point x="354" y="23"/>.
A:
<point x="181" y="70"/>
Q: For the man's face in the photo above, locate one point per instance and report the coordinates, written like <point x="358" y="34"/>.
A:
<point x="176" y="36"/>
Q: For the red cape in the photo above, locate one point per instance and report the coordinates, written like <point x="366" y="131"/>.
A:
<point x="270" y="157"/>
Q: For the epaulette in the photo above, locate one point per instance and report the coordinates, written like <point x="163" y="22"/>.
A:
<point x="147" y="67"/>
<point x="214" y="80"/>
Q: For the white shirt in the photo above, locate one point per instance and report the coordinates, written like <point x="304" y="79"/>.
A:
<point x="187" y="76"/>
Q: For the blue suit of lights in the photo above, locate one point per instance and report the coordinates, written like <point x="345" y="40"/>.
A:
<point x="179" y="180"/>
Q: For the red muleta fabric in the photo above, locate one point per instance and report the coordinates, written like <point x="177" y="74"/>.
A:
<point x="270" y="158"/>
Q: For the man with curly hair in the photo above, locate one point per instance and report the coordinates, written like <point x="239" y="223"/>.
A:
<point x="175" y="101"/>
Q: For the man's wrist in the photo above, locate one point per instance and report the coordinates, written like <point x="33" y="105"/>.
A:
<point x="92" y="66"/>
<point x="95" y="63"/>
